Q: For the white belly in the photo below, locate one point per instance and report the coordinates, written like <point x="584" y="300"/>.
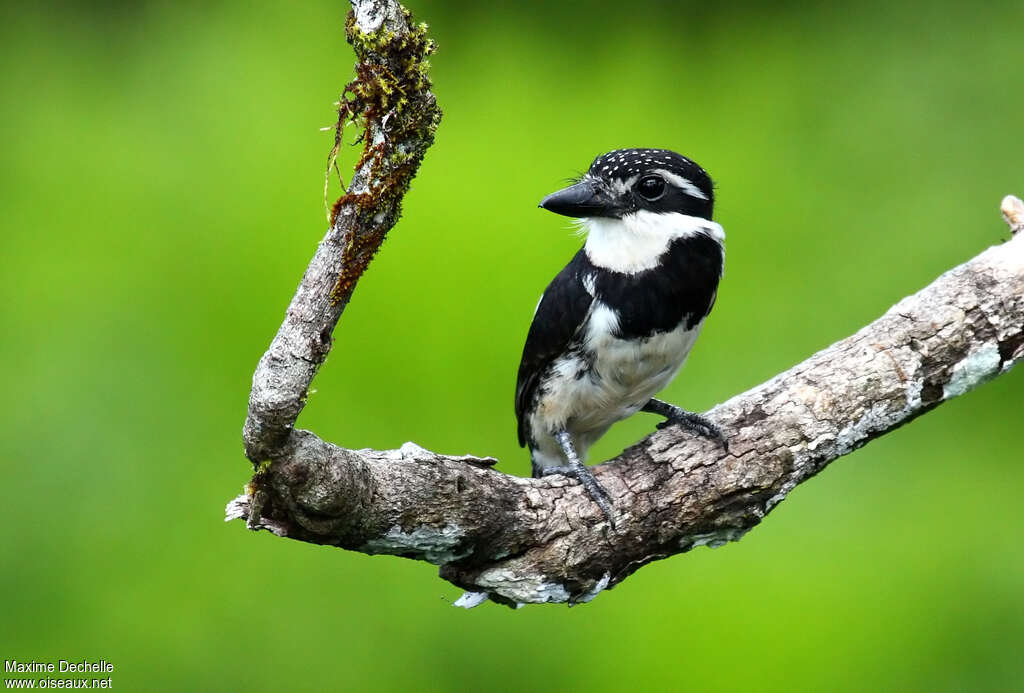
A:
<point x="627" y="373"/>
<point x="622" y="378"/>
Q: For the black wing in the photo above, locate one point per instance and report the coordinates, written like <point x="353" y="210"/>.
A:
<point x="561" y="312"/>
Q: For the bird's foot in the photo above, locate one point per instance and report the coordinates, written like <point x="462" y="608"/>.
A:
<point x="594" y="489"/>
<point x="691" y="421"/>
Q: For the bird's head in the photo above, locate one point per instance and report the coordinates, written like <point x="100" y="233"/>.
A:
<point x="626" y="181"/>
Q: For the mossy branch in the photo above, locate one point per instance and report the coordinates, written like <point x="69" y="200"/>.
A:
<point x="390" y="99"/>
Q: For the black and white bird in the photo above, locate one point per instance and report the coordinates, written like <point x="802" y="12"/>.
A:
<point x="617" y="323"/>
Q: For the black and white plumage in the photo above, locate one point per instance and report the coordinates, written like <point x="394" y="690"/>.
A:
<point x="617" y="323"/>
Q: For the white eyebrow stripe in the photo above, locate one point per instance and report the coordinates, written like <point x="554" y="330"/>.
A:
<point x="681" y="183"/>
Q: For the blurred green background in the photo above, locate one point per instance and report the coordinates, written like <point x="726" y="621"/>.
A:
<point x="162" y="175"/>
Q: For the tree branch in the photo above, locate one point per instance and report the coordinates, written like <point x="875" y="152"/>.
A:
<point x="518" y="540"/>
<point x="391" y="95"/>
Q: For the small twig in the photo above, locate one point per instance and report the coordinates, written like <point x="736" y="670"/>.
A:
<point x="1013" y="213"/>
<point x="332" y="156"/>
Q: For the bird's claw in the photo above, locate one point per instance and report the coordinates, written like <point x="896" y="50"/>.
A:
<point x="696" y="423"/>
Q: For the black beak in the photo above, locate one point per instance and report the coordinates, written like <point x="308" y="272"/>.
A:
<point x="585" y="199"/>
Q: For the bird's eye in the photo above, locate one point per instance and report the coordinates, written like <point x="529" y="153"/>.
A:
<point x="651" y="188"/>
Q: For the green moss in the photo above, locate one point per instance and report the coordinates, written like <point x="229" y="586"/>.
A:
<point x="390" y="97"/>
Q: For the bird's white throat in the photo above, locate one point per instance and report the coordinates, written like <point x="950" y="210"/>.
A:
<point x="635" y="242"/>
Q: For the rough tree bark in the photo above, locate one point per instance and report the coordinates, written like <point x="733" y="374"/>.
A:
<point x="518" y="540"/>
